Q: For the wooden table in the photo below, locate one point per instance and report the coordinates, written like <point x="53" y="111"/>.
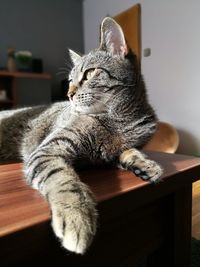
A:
<point x="136" y="219"/>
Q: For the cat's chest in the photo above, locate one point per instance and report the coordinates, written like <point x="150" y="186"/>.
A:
<point x="98" y="137"/>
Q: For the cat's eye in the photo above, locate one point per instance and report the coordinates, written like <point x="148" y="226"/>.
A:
<point x="88" y="74"/>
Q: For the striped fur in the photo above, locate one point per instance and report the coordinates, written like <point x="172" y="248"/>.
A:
<point x="107" y="120"/>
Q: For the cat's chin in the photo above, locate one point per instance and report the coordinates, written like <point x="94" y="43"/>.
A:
<point x="92" y="110"/>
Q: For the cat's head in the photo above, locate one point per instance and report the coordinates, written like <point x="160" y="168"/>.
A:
<point x="103" y="77"/>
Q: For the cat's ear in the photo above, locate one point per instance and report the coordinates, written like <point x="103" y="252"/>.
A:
<point x="73" y="56"/>
<point x="112" y="38"/>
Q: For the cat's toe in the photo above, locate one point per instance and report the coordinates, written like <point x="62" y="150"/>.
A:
<point x="147" y="170"/>
<point x="79" y="231"/>
<point x="153" y="170"/>
<point x="155" y="174"/>
<point x="142" y="174"/>
<point x="71" y="242"/>
<point x="76" y="228"/>
<point x="144" y="177"/>
<point x="58" y="222"/>
<point x="136" y="170"/>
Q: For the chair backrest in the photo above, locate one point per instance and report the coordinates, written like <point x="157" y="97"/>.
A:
<point x="165" y="139"/>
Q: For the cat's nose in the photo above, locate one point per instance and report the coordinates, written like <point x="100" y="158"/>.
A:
<point x="72" y="91"/>
<point x="70" y="95"/>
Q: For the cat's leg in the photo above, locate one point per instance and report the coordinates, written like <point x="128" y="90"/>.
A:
<point x="71" y="201"/>
<point x="137" y="162"/>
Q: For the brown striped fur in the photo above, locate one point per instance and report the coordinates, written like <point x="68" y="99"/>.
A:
<point x="107" y="120"/>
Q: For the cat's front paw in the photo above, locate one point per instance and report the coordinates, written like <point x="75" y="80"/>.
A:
<point x="74" y="223"/>
<point x="142" y="167"/>
<point x="148" y="170"/>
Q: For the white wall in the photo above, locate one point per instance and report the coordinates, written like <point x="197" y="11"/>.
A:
<point x="172" y="72"/>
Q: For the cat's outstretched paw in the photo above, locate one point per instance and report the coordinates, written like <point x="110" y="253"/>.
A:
<point x="75" y="227"/>
<point x="142" y="167"/>
<point x="74" y="224"/>
<point x="148" y="170"/>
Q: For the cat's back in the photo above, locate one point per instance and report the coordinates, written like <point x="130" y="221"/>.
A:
<point x="17" y="125"/>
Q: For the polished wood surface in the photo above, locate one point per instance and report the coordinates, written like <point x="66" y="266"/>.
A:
<point x="22" y="206"/>
<point x="145" y="218"/>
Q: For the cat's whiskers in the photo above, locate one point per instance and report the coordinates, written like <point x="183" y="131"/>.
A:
<point x="64" y="71"/>
<point x="67" y="69"/>
<point x="61" y="73"/>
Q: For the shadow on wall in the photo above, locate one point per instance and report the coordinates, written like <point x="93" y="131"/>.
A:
<point x="188" y="143"/>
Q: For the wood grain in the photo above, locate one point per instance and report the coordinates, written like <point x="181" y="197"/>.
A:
<point x="136" y="218"/>
<point x="21" y="206"/>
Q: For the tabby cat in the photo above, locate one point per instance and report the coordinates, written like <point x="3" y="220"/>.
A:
<point x="107" y="119"/>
